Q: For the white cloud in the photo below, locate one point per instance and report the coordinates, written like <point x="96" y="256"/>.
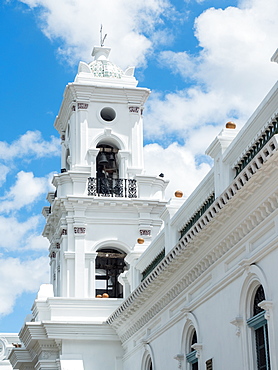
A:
<point x="181" y="112"/>
<point x="228" y="77"/>
<point x="31" y="144"/>
<point x="77" y="25"/>
<point x="19" y="235"/>
<point x="27" y="190"/>
<point x="178" y="164"/>
<point x="37" y="243"/>
<point x="18" y="277"/>
<point x="4" y="170"/>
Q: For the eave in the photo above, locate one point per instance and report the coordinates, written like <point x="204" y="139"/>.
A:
<point x="221" y="210"/>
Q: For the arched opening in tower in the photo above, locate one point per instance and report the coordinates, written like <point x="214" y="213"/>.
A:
<point x="107" y="171"/>
<point x="109" y="265"/>
<point x="107" y="162"/>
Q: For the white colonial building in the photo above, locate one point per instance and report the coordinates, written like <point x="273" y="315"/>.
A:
<point x="138" y="283"/>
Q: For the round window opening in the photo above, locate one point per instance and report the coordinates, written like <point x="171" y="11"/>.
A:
<point x="108" y="114"/>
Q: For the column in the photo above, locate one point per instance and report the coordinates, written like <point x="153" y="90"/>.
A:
<point x="79" y="265"/>
<point x="91" y="259"/>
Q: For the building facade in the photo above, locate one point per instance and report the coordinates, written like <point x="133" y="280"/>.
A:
<point x="139" y="283"/>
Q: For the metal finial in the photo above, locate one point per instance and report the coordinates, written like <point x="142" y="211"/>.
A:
<point x="102" y="38"/>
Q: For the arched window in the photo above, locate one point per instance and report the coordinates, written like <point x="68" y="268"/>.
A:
<point x="109" y="265"/>
<point x="107" y="162"/>
<point x="191" y="355"/>
<point x="258" y="324"/>
<point x="107" y="171"/>
<point x="147" y="363"/>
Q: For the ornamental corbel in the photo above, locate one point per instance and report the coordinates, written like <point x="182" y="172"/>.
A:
<point x="179" y="357"/>
<point x="246" y="266"/>
<point x="267" y="306"/>
<point x="237" y="322"/>
<point x="197" y="347"/>
<point x="145" y="343"/>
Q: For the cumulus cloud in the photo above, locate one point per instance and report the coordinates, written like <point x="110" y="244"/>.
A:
<point x="126" y="23"/>
<point x="31" y="144"/>
<point x="26" y="190"/>
<point x="228" y="77"/>
<point x="178" y="164"/>
<point x="16" y="278"/>
<point x="21" y="235"/>
<point x="4" y="170"/>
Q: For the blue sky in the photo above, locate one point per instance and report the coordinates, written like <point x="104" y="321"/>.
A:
<point x="206" y="62"/>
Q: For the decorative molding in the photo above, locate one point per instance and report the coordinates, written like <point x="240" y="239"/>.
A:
<point x="179" y="357"/>
<point x="45" y="355"/>
<point x="237" y="322"/>
<point x="183" y="250"/>
<point x="134" y="109"/>
<point x="198" y="348"/>
<point x="267" y="306"/>
<point x="107" y="131"/>
<point x="145" y="232"/>
<point x="82" y="106"/>
<point x="79" y="230"/>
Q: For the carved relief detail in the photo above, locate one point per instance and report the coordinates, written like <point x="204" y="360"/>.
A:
<point x="79" y="230"/>
<point x="82" y="105"/>
<point x="134" y="109"/>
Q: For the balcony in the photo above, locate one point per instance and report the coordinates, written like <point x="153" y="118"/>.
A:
<point x="108" y="187"/>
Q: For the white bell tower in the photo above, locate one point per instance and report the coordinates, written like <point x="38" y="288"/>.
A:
<point x="105" y="210"/>
<point x="103" y="215"/>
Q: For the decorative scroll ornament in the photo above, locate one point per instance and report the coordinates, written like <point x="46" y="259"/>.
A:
<point x="134" y="109"/>
<point x="267" y="306"/>
<point x="197" y="347"/>
<point x="82" y="105"/>
<point x="145" y="232"/>
<point x="179" y="358"/>
<point x="79" y="230"/>
<point x="237" y="322"/>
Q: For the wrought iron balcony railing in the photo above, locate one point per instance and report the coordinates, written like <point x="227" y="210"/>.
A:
<point x="124" y="188"/>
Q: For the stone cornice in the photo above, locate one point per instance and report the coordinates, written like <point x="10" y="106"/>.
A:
<point x="190" y="243"/>
<point x="84" y="331"/>
<point x="84" y="93"/>
<point x="71" y="204"/>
